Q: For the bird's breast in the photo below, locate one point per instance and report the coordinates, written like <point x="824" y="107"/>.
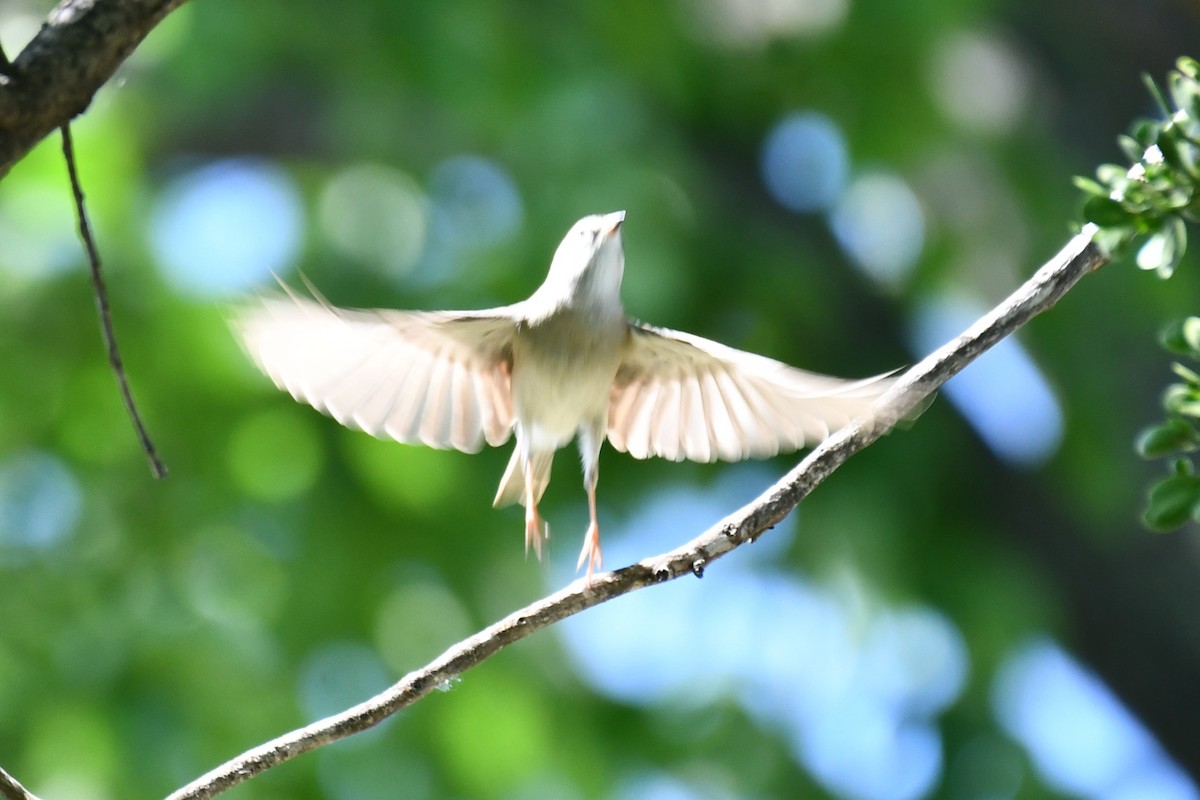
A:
<point x="562" y="372"/>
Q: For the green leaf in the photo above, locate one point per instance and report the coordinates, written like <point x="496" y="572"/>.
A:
<point x="1184" y="91"/>
<point x="1163" y="250"/>
<point x="1109" y="174"/>
<point x="1172" y="502"/>
<point x="1188" y="66"/>
<point x="1146" y="131"/>
<point x="1178" y="229"/>
<point x="1183" y="466"/>
<point x="1157" y="94"/>
<point x="1190" y="331"/>
<point x="1171" y="337"/>
<point x="1112" y="241"/>
<point x="1105" y="211"/>
<point x="1180" y="153"/>
<point x="1090" y="186"/>
<point x="1177" y="396"/>
<point x="1166" y="438"/>
<point x="1188" y="375"/>
<point x="1168" y="145"/>
<point x="1131" y="147"/>
<point x="1189" y="409"/>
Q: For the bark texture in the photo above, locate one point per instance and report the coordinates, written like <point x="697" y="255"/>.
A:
<point x="54" y="78"/>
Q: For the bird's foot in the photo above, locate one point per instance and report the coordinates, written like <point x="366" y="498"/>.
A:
<point x="591" y="550"/>
<point x="536" y="531"/>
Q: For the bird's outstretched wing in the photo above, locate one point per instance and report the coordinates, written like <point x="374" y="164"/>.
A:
<point x="680" y="396"/>
<point x="439" y="378"/>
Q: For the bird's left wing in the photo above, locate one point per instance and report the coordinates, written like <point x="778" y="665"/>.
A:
<point x="680" y="396"/>
<point x="439" y="378"/>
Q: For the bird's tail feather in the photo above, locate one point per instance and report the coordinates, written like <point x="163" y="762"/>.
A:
<point x="512" y="485"/>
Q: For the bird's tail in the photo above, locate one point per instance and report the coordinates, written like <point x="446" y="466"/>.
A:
<point x="512" y="485"/>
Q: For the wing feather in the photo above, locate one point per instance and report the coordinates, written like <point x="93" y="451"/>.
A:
<point x="681" y="396"/>
<point x="695" y="430"/>
<point x="437" y="378"/>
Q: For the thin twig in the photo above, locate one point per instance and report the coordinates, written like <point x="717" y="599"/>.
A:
<point x="1039" y="293"/>
<point x="157" y="468"/>
<point x="11" y="788"/>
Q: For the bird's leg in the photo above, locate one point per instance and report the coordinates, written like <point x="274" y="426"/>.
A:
<point x="591" y="539"/>
<point x="590" y="439"/>
<point x="535" y="527"/>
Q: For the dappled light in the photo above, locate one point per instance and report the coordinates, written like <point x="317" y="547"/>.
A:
<point x="36" y="244"/>
<point x="968" y="608"/>
<point x="40" y="503"/>
<point x="226" y="227"/>
<point x="880" y="225"/>
<point x="1003" y="395"/>
<point x="856" y="686"/>
<point x="1077" y="733"/>
<point x="755" y="23"/>
<point x="979" y="82"/>
<point x="376" y="215"/>
<point x="804" y="162"/>
<point x="474" y="207"/>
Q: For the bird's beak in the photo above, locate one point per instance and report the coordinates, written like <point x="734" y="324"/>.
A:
<point x="612" y="222"/>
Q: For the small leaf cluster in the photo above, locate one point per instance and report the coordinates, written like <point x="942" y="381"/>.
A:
<point x="1152" y="200"/>
<point x="1176" y="499"/>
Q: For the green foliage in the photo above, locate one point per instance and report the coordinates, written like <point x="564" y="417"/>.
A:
<point x="1175" y="500"/>
<point x="1151" y="203"/>
<point x="1151" y="200"/>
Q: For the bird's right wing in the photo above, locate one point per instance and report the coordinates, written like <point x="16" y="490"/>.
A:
<point x="680" y="396"/>
<point x="438" y="378"/>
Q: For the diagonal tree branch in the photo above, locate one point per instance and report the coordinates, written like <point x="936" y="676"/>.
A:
<point x="1078" y="258"/>
<point x="79" y="47"/>
<point x="11" y="788"/>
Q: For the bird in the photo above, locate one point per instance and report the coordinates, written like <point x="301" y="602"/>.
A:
<point x="566" y="363"/>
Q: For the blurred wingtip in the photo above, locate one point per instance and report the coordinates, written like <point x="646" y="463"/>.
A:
<point x="901" y="405"/>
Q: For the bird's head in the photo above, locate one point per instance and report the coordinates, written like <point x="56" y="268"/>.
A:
<point x="589" y="262"/>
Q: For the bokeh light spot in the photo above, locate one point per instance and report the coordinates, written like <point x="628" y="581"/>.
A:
<point x="855" y="688"/>
<point x="477" y="199"/>
<point x="1002" y="394"/>
<point x="375" y="214"/>
<point x="275" y="455"/>
<point x="40" y="503"/>
<point x="914" y="660"/>
<point x="493" y="730"/>
<point x="233" y="580"/>
<point x="401" y="477"/>
<point x="381" y="771"/>
<point x="88" y="733"/>
<point x="804" y="162"/>
<point x="753" y="23"/>
<point x="863" y="754"/>
<point x="474" y="205"/>
<point x="226" y="227"/>
<point x="1080" y="737"/>
<point x="417" y="621"/>
<point x="340" y="675"/>
<point x="37" y="244"/>
<point x="657" y="786"/>
<point x="979" y="82"/>
<point x="880" y="225"/>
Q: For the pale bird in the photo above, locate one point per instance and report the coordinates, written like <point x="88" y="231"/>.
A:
<point x="565" y="363"/>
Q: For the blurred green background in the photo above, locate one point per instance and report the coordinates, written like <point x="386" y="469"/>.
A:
<point x="969" y="609"/>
